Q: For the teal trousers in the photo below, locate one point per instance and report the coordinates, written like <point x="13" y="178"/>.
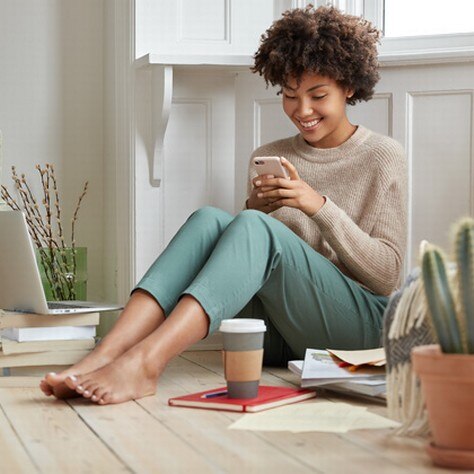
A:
<point x="253" y="266"/>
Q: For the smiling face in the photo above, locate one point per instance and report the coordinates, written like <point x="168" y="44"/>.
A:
<point x="317" y="106"/>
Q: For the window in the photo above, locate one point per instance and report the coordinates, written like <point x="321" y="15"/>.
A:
<point x="427" y="17"/>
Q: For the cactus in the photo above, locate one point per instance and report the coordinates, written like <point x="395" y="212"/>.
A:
<point x="464" y="250"/>
<point x="440" y="300"/>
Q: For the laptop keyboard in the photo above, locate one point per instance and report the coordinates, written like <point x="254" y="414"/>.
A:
<point x="61" y="305"/>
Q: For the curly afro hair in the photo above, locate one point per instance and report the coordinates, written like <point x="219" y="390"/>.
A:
<point x="321" y="41"/>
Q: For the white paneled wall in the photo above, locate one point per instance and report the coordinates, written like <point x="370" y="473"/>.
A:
<point x="428" y="109"/>
<point x="198" y="168"/>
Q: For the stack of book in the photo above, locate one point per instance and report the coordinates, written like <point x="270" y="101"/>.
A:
<point x="353" y="372"/>
<point x="34" y="344"/>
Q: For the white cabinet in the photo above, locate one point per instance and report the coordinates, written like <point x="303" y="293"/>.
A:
<point x="202" y="26"/>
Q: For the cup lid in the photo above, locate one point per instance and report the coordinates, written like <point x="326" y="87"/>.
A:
<point x="243" y="325"/>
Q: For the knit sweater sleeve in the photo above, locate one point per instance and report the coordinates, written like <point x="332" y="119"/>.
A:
<point x="375" y="259"/>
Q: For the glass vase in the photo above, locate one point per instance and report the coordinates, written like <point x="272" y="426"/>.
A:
<point x="63" y="272"/>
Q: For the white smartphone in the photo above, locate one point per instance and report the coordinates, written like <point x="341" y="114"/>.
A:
<point x="270" y="165"/>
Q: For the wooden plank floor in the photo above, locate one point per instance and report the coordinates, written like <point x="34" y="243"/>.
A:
<point x="40" y="434"/>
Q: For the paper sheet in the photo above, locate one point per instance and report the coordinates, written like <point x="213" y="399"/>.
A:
<point x="313" y="416"/>
<point x="360" y="357"/>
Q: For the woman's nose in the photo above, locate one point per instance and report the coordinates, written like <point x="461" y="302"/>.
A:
<point x="304" y="108"/>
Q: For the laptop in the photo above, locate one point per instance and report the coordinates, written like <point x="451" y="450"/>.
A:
<point x="20" y="282"/>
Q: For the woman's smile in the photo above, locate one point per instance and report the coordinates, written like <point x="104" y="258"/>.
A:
<point x="309" y="125"/>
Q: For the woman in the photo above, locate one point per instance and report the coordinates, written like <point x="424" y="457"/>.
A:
<point x="319" y="269"/>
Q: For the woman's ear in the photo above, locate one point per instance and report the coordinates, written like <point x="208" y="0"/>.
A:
<point x="349" y="93"/>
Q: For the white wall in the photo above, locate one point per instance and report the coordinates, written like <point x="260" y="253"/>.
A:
<point x="51" y="106"/>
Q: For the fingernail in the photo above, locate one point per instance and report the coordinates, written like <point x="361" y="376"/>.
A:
<point x="283" y="159"/>
<point x="258" y="183"/>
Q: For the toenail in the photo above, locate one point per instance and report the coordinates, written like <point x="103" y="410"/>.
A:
<point x="79" y="387"/>
<point x="93" y="398"/>
<point x="73" y="377"/>
<point x="52" y="373"/>
<point x="86" y="392"/>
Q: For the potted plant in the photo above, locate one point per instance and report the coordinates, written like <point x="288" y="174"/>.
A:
<point x="63" y="267"/>
<point x="446" y="370"/>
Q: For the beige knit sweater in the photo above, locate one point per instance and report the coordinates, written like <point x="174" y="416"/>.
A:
<point x="362" y="227"/>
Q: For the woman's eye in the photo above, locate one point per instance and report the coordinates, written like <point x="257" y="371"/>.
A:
<point x="289" y="96"/>
<point x="318" y="97"/>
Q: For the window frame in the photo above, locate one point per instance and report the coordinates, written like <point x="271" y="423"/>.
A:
<point x="425" y="49"/>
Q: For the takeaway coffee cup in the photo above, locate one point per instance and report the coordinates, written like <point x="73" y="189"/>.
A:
<point x="243" y="355"/>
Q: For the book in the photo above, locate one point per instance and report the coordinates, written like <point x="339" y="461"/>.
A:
<point x="320" y="368"/>
<point x="268" y="397"/>
<point x="51" y="333"/>
<point x="9" y="346"/>
<point x="23" y="320"/>
<point x="369" y="387"/>
<point x="42" y="358"/>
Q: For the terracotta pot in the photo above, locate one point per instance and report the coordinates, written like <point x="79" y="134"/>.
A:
<point x="447" y="383"/>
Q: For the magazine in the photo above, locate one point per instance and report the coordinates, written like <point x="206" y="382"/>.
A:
<point x="321" y="369"/>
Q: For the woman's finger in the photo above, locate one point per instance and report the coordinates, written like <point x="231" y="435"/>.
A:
<point x="277" y="183"/>
<point x="291" y="169"/>
<point x="276" y="194"/>
<point x="259" y="179"/>
<point x="282" y="203"/>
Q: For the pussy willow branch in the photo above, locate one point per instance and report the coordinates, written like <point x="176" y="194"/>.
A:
<point x="57" y="206"/>
<point x="8" y="199"/>
<point x="69" y="281"/>
<point x="32" y="229"/>
<point x="51" y="242"/>
<point x="74" y="219"/>
<point x="51" y="247"/>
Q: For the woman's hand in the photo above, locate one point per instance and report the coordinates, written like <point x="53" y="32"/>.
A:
<point x="273" y="193"/>
<point x="254" y="202"/>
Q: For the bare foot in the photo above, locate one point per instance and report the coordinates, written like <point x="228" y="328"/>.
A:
<point x="53" y="384"/>
<point x="126" y="378"/>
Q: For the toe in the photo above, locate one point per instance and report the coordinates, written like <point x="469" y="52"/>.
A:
<point x="55" y="379"/>
<point x="80" y="389"/>
<point x="99" y="392"/>
<point x="90" y="388"/>
<point x="45" y="388"/>
<point x="96" y="394"/>
<point x="72" y="381"/>
<point x="86" y="394"/>
<point x="105" y="399"/>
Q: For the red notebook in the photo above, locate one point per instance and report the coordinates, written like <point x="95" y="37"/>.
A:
<point x="268" y="397"/>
